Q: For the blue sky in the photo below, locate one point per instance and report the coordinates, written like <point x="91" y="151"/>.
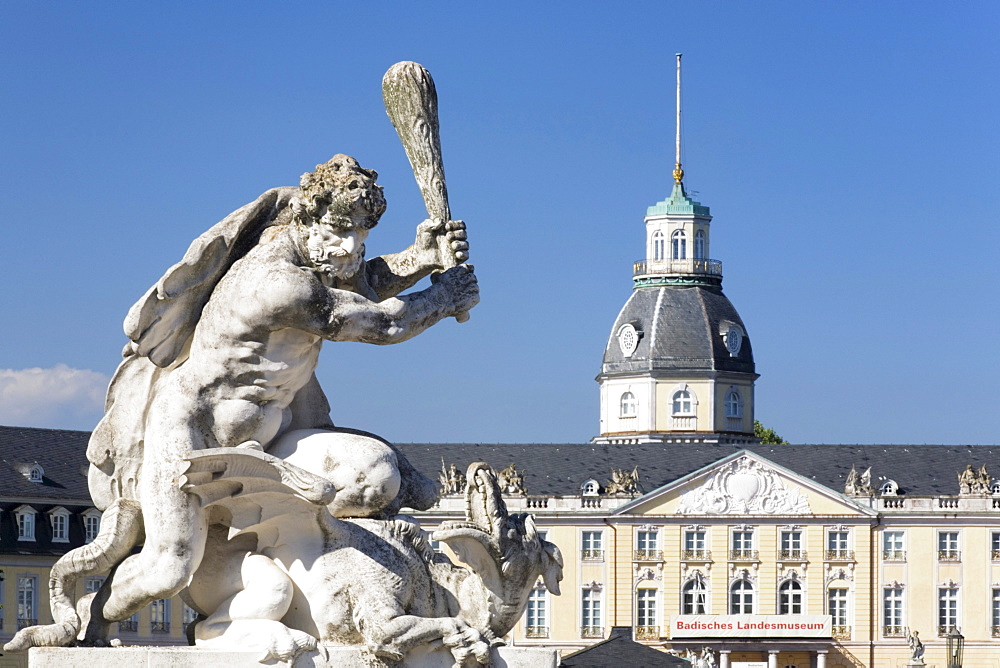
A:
<point x="849" y="152"/>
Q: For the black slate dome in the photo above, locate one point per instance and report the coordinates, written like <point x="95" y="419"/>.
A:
<point x="680" y="328"/>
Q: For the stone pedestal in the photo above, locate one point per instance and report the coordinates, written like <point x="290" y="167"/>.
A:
<point x="916" y="663"/>
<point x="193" y="657"/>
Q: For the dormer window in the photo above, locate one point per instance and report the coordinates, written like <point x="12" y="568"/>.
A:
<point x="36" y="473"/>
<point x="59" y="519"/>
<point x="91" y="524"/>
<point x="25" y="517"/>
<point x="679" y="245"/>
<point x="590" y="488"/>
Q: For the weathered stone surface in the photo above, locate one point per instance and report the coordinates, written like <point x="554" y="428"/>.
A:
<point x="189" y="657"/>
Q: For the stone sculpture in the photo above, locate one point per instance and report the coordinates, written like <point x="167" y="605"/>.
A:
<point x="916" y="648"/>
<point x="215" y="423"/>
<point x="971" y="481"/>
<point x="512" y="481"/>
<point x="452" y="480"/>
<point x="623" y="482"/>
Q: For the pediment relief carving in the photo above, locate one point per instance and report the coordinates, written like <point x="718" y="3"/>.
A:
<point x="744" y="486"/>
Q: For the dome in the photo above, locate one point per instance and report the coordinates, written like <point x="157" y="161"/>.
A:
<point x="679" y="329"/>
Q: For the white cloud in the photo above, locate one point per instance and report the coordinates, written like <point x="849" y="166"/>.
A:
<point x="59" y="397"/>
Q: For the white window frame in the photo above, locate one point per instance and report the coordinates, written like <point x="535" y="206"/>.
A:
<point x="683" y="402"/>
<point x="699" y="244"/>
<point x="591" y="608"/>
<point x="893" y="610"/>
<point x="740" y="539"/>
<point x="678" y="245"/>
<point x="59" y="522"/>
<point x="25" y="517"/>
<point x="791" y="595"/>
<point x="647" y="607"/>
<point x="36" y="474"/>
<point x="995" y="610"/>
<point x="694" y="597"/>
<point x="695" y="542"/>
<point x="746" y="592"/>
<point x="995" y="546"/>
<point x="894" y="545"/>
<point x="659" y="243"/>
<point x="536" y="613"/>
<point x="628" y="407"/>
<point x="838" y="542"/>
<point x="949" y="545"/>
<point x="791" y="543"/>
<point x="949" y="608"/>
<point x="91" y="524"/>
<point x="592" y="545"/>
<point x="27" y="599"/>
<point x="647" y="539"/>
<point x="838" y="605"/>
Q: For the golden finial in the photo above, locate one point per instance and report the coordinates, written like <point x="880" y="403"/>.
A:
<point x="678" y="173"/>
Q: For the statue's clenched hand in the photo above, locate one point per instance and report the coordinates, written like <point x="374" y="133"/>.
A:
<point x="435" y="238"/>
<point x="461" y="286"/>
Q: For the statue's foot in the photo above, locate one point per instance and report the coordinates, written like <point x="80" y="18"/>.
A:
<point x="273" y="640"/>
<point x="467" y="646"/>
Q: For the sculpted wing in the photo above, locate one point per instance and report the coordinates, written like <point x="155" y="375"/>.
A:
<point x="162" y="321"/>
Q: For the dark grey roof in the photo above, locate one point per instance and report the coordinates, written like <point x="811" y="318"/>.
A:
<point x="620" y="650"/>
<point x="560" y="469"/>
<point x="62" y="454"/>
<point x="680" y="328"/>
<point x="553" y="468"/>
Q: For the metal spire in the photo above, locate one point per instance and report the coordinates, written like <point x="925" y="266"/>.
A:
<point x="678" y="172"/>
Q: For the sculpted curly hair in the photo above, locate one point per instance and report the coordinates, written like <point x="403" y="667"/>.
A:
<point x="345" y="187"/>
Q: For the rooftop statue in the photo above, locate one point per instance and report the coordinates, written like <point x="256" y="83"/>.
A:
<point x="219" y="368"/>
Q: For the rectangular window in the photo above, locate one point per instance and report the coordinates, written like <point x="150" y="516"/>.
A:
<point x="536" y="614"/>
<point x="188" y="615"/>
<point x="91" y="527"/>
<point x="996" y="613"/>
<point x="92" y="585"/>
<point x="27" y="600"/>
<point x="26" y="525"/>
<point x="647" y="545"/>
<point x="837" y="606"/>
<point x="995" y="546"/>
<point x="60" y="533"/>
<point x="743" y="545"/>
<point x="893" y="548"/>
<point x="947" y="610"/>
<point x="837" y="545"/>
<point x="948" y="546"/>
<point x="646" y="608"/>
<point x="791" y="545"/>
<point x="694" y="545"/>
<point x="590" y="605"/>
<point x="159" y="615"/>
<point x="892" y="611"/>
<point x="592" y="545"/>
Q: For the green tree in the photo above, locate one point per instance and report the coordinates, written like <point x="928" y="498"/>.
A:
<point x="767" y="436"/>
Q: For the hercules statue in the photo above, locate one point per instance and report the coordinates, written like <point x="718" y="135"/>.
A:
<point x="221" y="354"/>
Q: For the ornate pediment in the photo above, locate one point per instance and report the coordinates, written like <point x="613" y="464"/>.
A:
<point x="744" y="486"/>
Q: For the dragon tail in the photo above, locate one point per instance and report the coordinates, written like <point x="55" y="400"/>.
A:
<point x="121" y="530"/>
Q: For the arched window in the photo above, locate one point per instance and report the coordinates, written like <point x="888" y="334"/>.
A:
<point x="699" y="245"/>
<point x="627" y="405"/>
<point x="36" y="474"/>
<point x="694" y="598"/>
<point x="741" y="598"/>
<point x="683" y="403"/>
<point x="659" y="246"/>
<point x="734" y="404"/>
<point x="790" y="598"/>
<point x="679" y="242"/>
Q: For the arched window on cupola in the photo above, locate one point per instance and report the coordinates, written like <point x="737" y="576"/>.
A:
<point x="628" y="405"/>
<point x="734" y="404"/>
<point x="659" y="246"/>
<point x="699" y="245"/>
<point x="679" y="245"/>
<point x="682" y="403"/>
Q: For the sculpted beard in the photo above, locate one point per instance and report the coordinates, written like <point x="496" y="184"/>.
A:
<point x="330" y="259"/>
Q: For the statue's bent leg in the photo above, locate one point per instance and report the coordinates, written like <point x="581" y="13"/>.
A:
<point x="176" y="529"/>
